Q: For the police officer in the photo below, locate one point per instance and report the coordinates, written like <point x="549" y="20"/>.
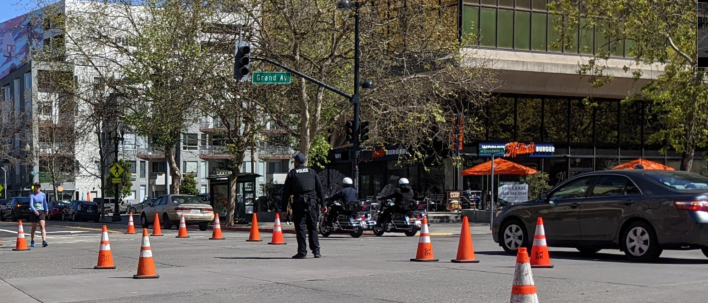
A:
<point x="304" y="185"/>
<point x="347" y="195"/>
<point x="402" y="196"/>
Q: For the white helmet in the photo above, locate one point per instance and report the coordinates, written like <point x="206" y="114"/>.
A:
<point x="403" y="181"/>
<point x="348" y="181"/>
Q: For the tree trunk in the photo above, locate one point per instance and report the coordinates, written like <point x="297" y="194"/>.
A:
<point x="233" y="187"/>
<point x="687" y="158"/>
<point x="175" y="172"/>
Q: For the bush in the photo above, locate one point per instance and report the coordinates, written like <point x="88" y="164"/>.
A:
<point x="189" y="185"/>
<point x="538" y="183"/>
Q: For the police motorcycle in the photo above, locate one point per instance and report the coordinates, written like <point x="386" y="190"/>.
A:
<point x="349" y="220"/>
<point x="408" y="221"/>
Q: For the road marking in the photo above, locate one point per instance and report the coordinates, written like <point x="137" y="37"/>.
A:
<point x="87" y="228"/>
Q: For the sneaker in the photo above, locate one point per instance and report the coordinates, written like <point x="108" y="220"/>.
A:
<point x="44" y="244"/>
<point x="317" y="255"/>
<point x="32" y="244"/>
<point x="299" y="256"/>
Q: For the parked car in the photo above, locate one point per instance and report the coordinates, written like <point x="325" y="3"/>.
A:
<point x="138" y="207"/>
<point x="81" y="210"/>
<point x="16" y="209"/>
<point x="56" y="209"/>
<point x="3" y="203"/>
<point x="171" y="207"/>
<point x="641" y="212"/>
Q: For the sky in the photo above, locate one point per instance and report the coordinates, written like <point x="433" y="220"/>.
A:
<point x="13" y="8"/>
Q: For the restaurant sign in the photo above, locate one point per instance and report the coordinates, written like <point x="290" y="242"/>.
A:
<point x="513" y="149"/>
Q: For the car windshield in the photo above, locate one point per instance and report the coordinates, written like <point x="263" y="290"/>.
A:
<point x="22" y="200"/>
<point x="683" y="181"/>
<point x="187" y="200"/>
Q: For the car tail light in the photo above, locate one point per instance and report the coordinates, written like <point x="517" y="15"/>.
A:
<point x="208" y="209"/>
<point x="692" y="205"/>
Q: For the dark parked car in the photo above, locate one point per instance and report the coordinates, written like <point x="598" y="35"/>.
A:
<point x="81" y="210"/>
<point x="56" y="209"/>
<point x="3" y="203"/>
<point x="16" y="209"/>
<point x="641" y="212"/>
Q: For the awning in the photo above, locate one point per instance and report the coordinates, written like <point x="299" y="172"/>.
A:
<point x="501" y="167"/>
<point x="643" y="164"/>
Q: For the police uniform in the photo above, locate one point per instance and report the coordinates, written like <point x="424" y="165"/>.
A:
<point x="402" y="196"/>
<point x="346" y="195"/>
<point x="303" y="184"/>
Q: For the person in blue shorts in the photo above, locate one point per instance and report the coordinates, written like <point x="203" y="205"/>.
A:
<point x="38" y="211"/>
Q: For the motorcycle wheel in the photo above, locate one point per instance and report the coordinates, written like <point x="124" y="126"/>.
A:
<point x="379" y="231"/>
<point x="411" y="232"/>
<point x="325" y="231"/>
<point x="356" y="234"/>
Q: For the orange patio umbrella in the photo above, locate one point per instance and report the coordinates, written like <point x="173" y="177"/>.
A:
<point x="501" y="167"/>
<point x="645" y="164"/>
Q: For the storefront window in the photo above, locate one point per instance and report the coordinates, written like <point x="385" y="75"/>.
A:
<point x="606" y="123"/>
<point x="528" y="119"/>
<point x="556" y="120"/>
<point x="631" y="125"/>
<point x="606" y="163"/>
<point x="500" y="119"/>
<point x="580" y="122"/>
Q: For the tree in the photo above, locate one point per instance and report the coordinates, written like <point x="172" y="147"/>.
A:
<point x="659" y="31"/>
<point x="188" y="185"/>
<point x="410" y="50"/>
<point x="126" y="185"/>
<point x="538" y="183"/>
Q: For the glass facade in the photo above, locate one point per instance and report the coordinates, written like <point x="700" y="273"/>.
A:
<point x="527" y="25"/>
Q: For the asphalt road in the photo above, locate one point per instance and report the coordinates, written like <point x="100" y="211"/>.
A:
<point x="367" y="269"/>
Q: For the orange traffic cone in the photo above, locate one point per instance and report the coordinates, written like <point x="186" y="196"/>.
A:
<point x="425" y="248"/>
<point x="105" y="257"/>
<point x="255" y="233"/>
<point x="21" y="243"/>
<point x="216" y="234"/>
<point x="182" y="228"/>
<point x="539" y="251"/>
<point x="277" y="232"/>
<point x="523" y="290"/>
<point x="146" y="265"/>
<point x="131" y="225"/>
<point x="465" y="250"/>
<point x="156" y="229"/>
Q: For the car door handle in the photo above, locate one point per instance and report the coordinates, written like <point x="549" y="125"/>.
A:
<point x="574" y="205"/>
<point x="628" y="202"/>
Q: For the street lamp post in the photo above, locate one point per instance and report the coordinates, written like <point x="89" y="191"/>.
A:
<point x="118" y="137"/>
<point x="4" y="182"/>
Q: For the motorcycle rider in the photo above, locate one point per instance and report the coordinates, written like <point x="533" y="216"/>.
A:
<point x="347" y="195"/>
<point x="402" y="196"/>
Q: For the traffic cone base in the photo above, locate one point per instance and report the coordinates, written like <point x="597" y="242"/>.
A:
<point x="255" y="235"/>
<point x="539" y="252"/>
<point x="146" y="264"/>
<point x="465" y="249"/>
<point x="277" y="232"/>
<point x="156" y="229"/>
<point x="425" y="247"/>
<point x="105" y="257"/>
<point x="131" y="225"/>
<point x="21" y="244"/>
<point x="216" y="231"/>
<point x="182" y="228"/>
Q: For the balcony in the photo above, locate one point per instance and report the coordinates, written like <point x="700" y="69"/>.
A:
<point x="47" y="149"/>
<point x="211" y="126"/>
<point x="150" y="154"/>
<point x="214" y="153"/>
<point x="274" y="152"/>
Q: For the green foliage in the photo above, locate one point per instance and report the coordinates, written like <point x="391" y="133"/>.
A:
<point x="319" y="152"/>
<point x="188" y="185"/>
<point x="126" y="183"/>
<point x="538" y="183"/>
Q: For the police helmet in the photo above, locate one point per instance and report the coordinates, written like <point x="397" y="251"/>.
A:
<point x="403" y="181"/>
<point x="348" y="181"/>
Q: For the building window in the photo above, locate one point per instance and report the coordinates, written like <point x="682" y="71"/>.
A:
<point x="500" y="119"/>
<point x="132" y="167"/>
<point x="203" y="170"/>
<point x="555" y="120"/>
<point x="204" y="139"/>
<point x="129" y="141"/>
<point x="528" y="119"/>
<point x="189" y="167"/>
<point x="142" y="169"/>
<point x="158" y="167"/>
<point x="203" y="189"/>
<point x="190" y="142"/>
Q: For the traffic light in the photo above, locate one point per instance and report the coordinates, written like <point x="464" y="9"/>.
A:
<point x="363" y="131"/>
<point x="242" y="64"/>
<point x="350" y="131"/>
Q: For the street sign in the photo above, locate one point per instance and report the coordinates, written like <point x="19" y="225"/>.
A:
<point x="117" y="180"/>
<point x="489" y="151"/>
<point x="116" y="170"/>
<point x="270" y="78"/>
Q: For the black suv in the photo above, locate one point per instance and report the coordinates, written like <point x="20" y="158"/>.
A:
<point x="16" y="209"/>
<point x="81" y="210"/>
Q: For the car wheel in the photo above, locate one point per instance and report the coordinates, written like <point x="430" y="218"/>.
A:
<point x="2" y="217"/>
<point x="512" y="236"/>
<point x="705" y="251"/>
<point x="204" y="226"/>
<point x="356" y="234"/>
<point x="13" y="217"/>
<point x="379" y="231"/>
<point x="639" y="242"/>
<point x="587" y="250"/>
<point x="98" y="219"/>
<point x="166" y="224"/>
<point x="144" y="222"/>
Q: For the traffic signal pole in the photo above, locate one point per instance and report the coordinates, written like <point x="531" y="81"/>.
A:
<point x="355" y="100"/>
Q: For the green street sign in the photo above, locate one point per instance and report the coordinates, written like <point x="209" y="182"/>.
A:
<point x="270" y="78"/>
<point x="491" y="151"/>
<point x="117" y="180"/>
